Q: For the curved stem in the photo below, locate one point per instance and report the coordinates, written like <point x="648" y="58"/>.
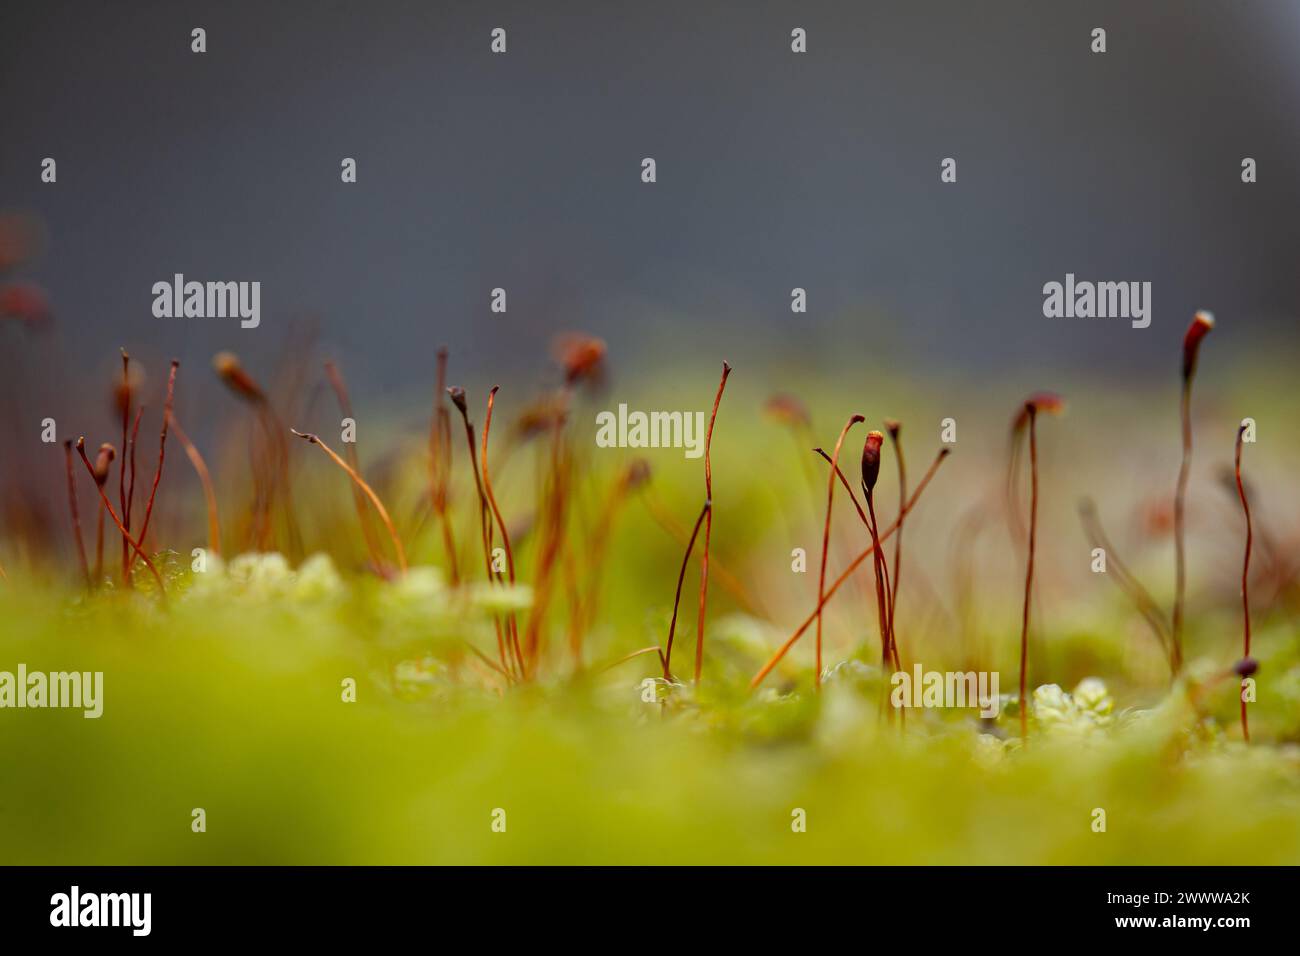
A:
<point x="826" y="538"/>
<point x="708" y="525"/>
<point x="121" y="475"/>
<point x="505" y="535"/>
<point x="370" y="493"/>
<point x="1245" y="580"/>
<point x="162" y="452"/>
<point x="350" y="449"/>
<point x="76" y="517"/>
<point x="1123" y="577"/>
<point x="205" y="479"/>
<point x="458" y="399"/>
<point x="883" y="600"/>
<point x="1180" y="497"/>
<point x="677" y="599"/>
<point x="131" y="542"/>
<point x="844" y="576"/>
<point x="1029" y="565"/>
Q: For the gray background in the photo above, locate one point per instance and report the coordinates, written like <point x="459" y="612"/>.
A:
<point x="775" y="170"/>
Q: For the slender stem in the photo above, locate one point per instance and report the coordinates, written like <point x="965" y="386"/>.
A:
<point x="844" y="576"/>
<point x="888" y="653"/>
<point x="487" y="486"/>
<point x="898" y="539"/>
<point x="121" y="475"/>
<point x="1029" y="566"/>
<point x="458" y="399"/>
<point x="263" y="477"/>
<point x="677" y="599"/>
<point x="826" y="538"/>
<point x="708" y="525"/>
<point x="882" y="598"/>
<point x="130" y="482"/>
<point x="574" y="597"/>
<point x="370" y="493"/>
<point x="511" y="621"/>
<point x="205" y="479"/>
<point x="1245" y="579"/>
<point x="449" y="545"/>
<point x="76" y="517"/>
<point x="162" y="451"/>
<point x="599" y="546"/>
<point x="478" y="485"/>
<point x="1015" y="525"/>
<point x="440" y="461"/>
<point x="848" y="488"/>
<point x="278" y="478"/>
<point x="1123" y="577"/>
<point x="1180" y="497"/>
<point x="489" y="662"/>
<point x="131" y="542"/>
<point x="725" y="577"/>
<point x="627" y="657"/>
<point x="350" y="449"/>
<point x="99" y="544"/>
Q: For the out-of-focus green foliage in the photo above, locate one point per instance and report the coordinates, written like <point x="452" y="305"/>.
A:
<point x="230" y="699"/>
<point x="230" y="696"/>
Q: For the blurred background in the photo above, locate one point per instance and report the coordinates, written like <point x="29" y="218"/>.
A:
<point x="775" y="170"/>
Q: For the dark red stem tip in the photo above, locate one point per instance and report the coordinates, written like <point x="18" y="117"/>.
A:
<point x="1202" y="322"/>
<point x="871" y="460"/>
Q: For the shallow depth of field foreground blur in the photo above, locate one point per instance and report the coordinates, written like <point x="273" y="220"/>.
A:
<point x="228" y="697"/>
<point x="784" y="179"/>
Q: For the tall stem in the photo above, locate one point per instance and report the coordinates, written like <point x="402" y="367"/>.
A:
<point x="677" y="599"/>
<point x="1029" y="565"/>
<point x="708" y="525"/>
<point x="1245" y="581"/>
<point x="784" y="649"/>
<point x="1180" y="496"/>
<point x="205" y="479"/>
<point x="826" y="538"/>
<point x="76" y="517"/>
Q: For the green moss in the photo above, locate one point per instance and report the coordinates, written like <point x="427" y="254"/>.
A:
<point x="231" y="700"/>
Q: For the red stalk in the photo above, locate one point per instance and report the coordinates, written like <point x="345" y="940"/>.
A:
<point x="1245" y="579"/>
<point x="457" y="395"/>
<point x="1032" y="410"/>
<point x="440" y="460"/>
<point x="677" y="599"/>
<point x="370" y="493"/>
<point x="894" y="429"/>
<point x="205" y="479"/>
<point x="826" y="537"/>
<point x="76" y="518"/>
<point x="350" y="450"/>
<point x="882" y="595"/>
<point x="162" y="452"/>
<point x="1201" y="324"/>
<point x="512" y="622"/>
<point x="81" y="450"/>
<point x="708" y="525"/>
<point x="845" y="575"/>
<point x="121" y="475"/>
